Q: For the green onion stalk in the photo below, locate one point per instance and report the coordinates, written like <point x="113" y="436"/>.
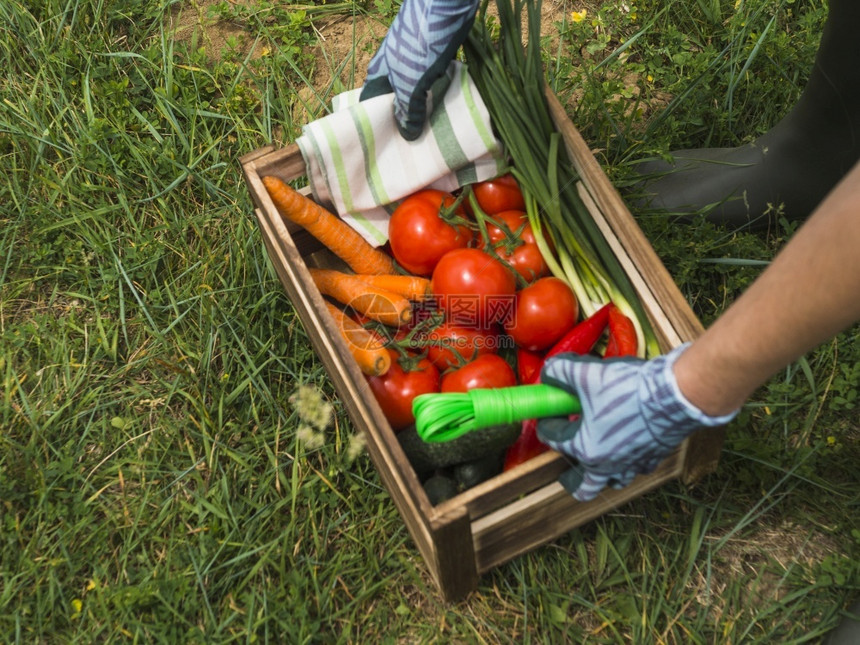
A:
<point x="510" y="79"/>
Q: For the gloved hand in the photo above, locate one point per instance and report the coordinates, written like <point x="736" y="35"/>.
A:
<point x="420" y="44"/>
<point x="633" y="416"/>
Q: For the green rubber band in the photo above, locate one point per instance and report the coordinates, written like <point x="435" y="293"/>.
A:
<point x="445" y="416"/>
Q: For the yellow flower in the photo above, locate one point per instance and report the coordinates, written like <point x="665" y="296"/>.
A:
<point x="649" y="78"/>
<point x="579" y="16"/>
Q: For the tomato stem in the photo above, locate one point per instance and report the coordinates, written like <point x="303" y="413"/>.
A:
<point x="450" y="214"/>
<point x="481" y="219"/>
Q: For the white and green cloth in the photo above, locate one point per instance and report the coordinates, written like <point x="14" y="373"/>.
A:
<point x="360" y="165"/>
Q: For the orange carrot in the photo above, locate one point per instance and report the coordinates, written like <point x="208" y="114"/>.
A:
<point x="338" y="236"/>
<point x="378" y="304"/>
<point x="366" y="348"/>
<point x="412" y="287"/>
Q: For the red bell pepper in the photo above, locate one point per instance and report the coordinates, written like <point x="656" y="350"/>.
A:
<point x="584" y="336"/>
<point x="525" y="447"/>
<point x="622" y="335"/>
<point x="528" y="366"/>
<point x="581" y="339"/>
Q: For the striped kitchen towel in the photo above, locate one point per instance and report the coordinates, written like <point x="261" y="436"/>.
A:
<point x="360" y="166"/>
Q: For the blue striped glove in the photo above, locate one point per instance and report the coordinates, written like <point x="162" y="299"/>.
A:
<point x="633" y="416"/>
<point x="421" y="42"/>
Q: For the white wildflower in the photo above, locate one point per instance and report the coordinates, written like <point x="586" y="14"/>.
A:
<point x="311" y="407"/>
<point x="309" y="438"/>
<point x="355" y="447"/>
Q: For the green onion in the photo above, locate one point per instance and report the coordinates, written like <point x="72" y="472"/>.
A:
<point x="510" y="78"/>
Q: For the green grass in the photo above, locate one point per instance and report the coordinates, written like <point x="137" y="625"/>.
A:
<point x="152" y="484"/>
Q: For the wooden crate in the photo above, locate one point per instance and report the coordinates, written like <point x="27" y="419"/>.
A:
<point x="526" y="507"/>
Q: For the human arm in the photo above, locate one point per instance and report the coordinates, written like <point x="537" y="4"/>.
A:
<point x="808" y="294"/>
<point x="637" y="412"/>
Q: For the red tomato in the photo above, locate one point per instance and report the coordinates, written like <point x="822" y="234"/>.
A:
<point x="419" y="235"/>
<point x="458" y="342"/>
<point x="517" y="245"/>
<point x="499" y="194"/>
<point x="545" y="310"/>
<point x="473" y="288"/>
<point x="489" y="370"/>
<point x="395" y="390"/>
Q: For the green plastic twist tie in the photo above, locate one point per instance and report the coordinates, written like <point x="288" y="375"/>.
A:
<point x="445" y="416"/>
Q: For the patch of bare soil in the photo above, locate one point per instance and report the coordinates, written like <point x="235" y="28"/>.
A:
<point x="760" y="559"/>
<point x="193" y="20"/>
<point x="346" y="43"/>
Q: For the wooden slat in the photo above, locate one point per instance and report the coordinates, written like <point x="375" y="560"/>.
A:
<point x="451" y="575"/>
<point x="245" y="160"/>
<point x="455" y="568"/>
<point x="548" y="513"/>
<point x="506" y="487"/>
<point x="397" y="476"/>
<point x="446" y="545"/>
<point x="702" y="454"/>
<point x="285" y="163"/>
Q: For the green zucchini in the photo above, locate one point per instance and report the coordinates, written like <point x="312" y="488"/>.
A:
<point x="440" y="488"/>
<point x="472" y="473"/>
<point x="427" y="456"/>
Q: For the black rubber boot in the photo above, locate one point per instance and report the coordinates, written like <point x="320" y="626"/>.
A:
<point x="795" y="164"/>
<point x="848" y="631"/>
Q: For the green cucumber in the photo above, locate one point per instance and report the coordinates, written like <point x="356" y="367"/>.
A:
<point x="440" y="488"/>
<point x="472" y="473"/>
<point x="426" y="456"/>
